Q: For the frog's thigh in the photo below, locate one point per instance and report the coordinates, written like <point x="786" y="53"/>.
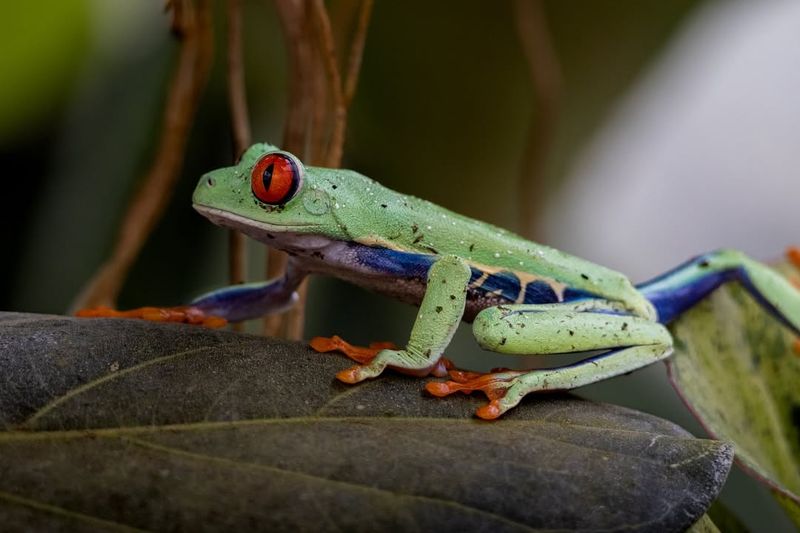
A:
<point x="562" y="328"/>
<point x="632" y="342"/>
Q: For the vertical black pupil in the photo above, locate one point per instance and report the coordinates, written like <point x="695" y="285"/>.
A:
<point x="266" y="178"/>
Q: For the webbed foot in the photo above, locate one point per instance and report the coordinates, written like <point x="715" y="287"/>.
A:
<point x="359" y="354"/>
<point x="375" y="358"/>
<point x="495" y="385"/>
<point x="182" y="314"/>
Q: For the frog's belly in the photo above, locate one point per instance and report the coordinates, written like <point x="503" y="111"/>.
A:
<point x="403" y="275"/>
<point x="412" y="290"/>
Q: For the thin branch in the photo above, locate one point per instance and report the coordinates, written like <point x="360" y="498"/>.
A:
<point x="356" y="52"/>
<point x="191" y="23"/>
<point x="291" y="14"/>
<point x="292" y="18"/>
<point x="332" y="153"/>
<point x="240" y="129"/>
<point x="237" y="94"/>
<point x="546" y="80"/>
<point x="318" y="103"/>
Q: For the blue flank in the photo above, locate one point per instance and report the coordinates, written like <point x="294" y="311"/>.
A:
<point x="414" y="265"/>
<point x="672" y="293"/>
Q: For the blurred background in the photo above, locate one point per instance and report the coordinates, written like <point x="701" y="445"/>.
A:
<point x="675" y="133"/>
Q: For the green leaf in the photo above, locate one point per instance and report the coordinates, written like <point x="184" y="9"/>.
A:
<point x="122" y="423"/>
<point x="704" y="525"/>
<point x="735" y="367"/>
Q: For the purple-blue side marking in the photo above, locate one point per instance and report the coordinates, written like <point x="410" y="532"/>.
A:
<point x="414" y="265"/>
<point x="394" y="262"/>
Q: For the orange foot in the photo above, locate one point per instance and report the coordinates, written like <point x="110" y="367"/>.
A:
<point x="796" y="347"/>
<point x="363" y="355"/>
<point x="184" y="314"/>
<point x="494" y="385"/>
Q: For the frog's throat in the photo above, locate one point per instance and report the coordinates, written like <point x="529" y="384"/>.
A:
<point x="262" y="231"/>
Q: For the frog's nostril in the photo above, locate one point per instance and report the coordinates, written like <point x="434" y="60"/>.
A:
<point x="210" y="181"/>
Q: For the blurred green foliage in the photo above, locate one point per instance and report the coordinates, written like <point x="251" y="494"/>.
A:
<point x="42" y="47"/>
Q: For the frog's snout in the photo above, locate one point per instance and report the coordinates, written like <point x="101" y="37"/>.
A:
<point x="205" y="186"/>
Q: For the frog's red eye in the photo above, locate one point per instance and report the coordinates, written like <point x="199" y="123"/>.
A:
<point x="275" y="179"/>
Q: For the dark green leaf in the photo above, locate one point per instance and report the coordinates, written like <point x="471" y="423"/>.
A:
<point x="115" y="422"/>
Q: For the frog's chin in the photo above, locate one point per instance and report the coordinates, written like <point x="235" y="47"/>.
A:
<point x="261" y="231"/>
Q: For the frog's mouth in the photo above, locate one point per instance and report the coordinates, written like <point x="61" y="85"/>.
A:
<point x="262" y="231"/>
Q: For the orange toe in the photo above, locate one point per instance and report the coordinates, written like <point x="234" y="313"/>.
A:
<point x="463" y="376"/>
<point x="182" y="314"/>
<point x="489" y="411"/>
<point x="349" y="375"/>
<point x="440" y="389"/>
<point x="796" y="347"/>
<point x="359" y="354"/>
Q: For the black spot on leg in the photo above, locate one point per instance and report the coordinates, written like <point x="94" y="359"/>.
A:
<point x="418" y="238"/>
<point x="452" y="296"/>
<point x="571" y="333"/>
<point x="502" y="341"/>
<point x="414" y="228"/>
<point x="384" y="206"/>
<point x="584" y="276"/>
<point x="624" y="326"/>
<point x="704" y="263"/>
<point x="471" y="247"/>
<point x="438" y="308"/>
<point x="270" y="236"/>
<point x="334" y="186"/>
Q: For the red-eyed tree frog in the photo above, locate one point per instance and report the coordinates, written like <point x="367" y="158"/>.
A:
<point x="521" y="297"/>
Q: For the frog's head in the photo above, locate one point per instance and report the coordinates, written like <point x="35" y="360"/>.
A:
<point x="270" y="196"/>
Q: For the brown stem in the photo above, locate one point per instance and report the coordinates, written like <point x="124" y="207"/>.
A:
<point x="237" y="94"/>
<point x="292" y="15"/>
<point x="545" y="75"/>
<point x="240" y="129"/>
<point x="191" y="23"/>
<point x="331" y="155"/>
<point x="356" y="52"/>
<point x="317" y="116"/>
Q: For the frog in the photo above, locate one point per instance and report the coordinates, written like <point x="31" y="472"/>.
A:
<point x="521" y="297"/>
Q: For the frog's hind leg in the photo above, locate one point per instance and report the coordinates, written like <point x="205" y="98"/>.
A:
<point x="678" y="290"/>
<point x="632" y="341"/>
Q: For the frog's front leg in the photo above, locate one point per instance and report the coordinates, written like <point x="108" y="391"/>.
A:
<point x="437" y="320"/>
<point x="252" y="300"/>
<point x="214" y="309"/>
<point x="632" y="341"/>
